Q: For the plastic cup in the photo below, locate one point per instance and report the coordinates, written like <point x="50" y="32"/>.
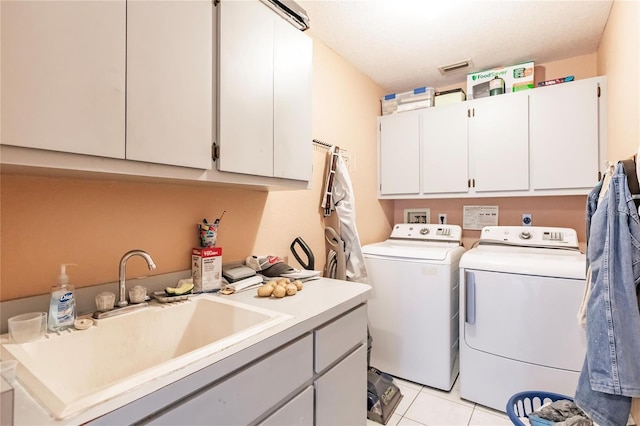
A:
<point x="8" y="370"/>
<point x="27" y="327"/>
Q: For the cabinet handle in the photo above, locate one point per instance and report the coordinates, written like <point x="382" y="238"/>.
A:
<point x="470" y="298"/>
<point x="215" y="151"/>
<point x="468" y="183"/>
<point x="473" y="181"/>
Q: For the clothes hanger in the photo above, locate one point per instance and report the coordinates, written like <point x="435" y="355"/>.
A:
<point x="630" y="170"/>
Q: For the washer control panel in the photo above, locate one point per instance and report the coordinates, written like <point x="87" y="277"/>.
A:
<point x="539" y="236"/>
<point x="427" y="232"/>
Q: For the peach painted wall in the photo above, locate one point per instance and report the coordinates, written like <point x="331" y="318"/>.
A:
<point x="618" y="58"/>
<point x="45" y="221"/>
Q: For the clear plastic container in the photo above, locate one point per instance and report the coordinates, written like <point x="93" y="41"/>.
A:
<point x="27" y="327"/>
<point x="420" y="97"/>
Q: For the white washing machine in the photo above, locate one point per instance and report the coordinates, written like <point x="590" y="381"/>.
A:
<point x="413" y="308"/>
<point x="520" y="290"/>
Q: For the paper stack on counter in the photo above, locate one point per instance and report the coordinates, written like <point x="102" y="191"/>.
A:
<point x="242" y="284"/>
<point x="301" y="274"/>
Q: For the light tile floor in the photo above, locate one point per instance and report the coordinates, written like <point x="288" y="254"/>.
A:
<point x="422" y="405"/>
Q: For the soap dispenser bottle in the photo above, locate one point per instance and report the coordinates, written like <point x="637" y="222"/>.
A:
<point x="62" y="306"/>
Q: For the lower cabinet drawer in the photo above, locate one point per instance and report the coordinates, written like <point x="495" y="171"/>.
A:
<point x="338" y="337"/>
<point x="245" y="396"/>
<point x="298" y="411"/>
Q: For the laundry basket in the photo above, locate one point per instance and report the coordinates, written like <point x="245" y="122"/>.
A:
<point x="524" y="403"/>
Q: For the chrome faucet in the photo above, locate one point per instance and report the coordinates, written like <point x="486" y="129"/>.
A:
<point x="123" y="271"/>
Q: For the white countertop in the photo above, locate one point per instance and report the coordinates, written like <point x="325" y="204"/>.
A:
<point x="318" y="302"/>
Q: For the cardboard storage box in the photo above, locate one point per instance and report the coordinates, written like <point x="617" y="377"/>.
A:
<point x="450" y="96"/>
<point x="206" y="269"/>
<point x="516" y="77"/>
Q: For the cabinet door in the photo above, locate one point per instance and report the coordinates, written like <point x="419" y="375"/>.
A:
<point x="444" y="149"/>
<point x="245" y="87"/>
<point x="169" y="82"/>
<point x="499" y="143"/>
<point x="63" y="76"/>
<point x="292" y="136"/>
<point x="399" y="153"/>
<point x="298" y="411"/>
<point x="565" y="135"/>
<point x="340" y="392"/>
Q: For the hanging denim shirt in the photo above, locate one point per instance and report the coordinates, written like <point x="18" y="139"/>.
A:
<point x="611" y="373"/>
<point x="592" y="205"/>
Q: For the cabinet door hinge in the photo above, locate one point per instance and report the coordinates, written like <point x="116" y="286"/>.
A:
<point x="598" y="91"/>
<point x="215" y="151"/>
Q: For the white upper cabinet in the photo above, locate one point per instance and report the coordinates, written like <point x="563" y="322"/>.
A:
<point x="547" y="141"/>
<point x="66" y="64"/>
<point x="264" y="93"/>
<point x="63" y="76"/>
<point x="399" y="153"/>
<point x="169" y="82"/>
<point x="445" y="149"/>
<point x="292" y="62"/>
<point x="499" y="143"/>
<point x="245" y="88"/>
<point x="565" y="130"/>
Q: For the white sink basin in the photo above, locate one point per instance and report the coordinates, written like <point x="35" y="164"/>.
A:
<point x="71" y="372"/>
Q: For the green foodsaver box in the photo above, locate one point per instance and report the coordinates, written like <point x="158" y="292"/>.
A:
<point x="516" y="77"/>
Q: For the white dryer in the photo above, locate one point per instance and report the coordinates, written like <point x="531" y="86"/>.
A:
<point x="520" y="290"/>
<point x="413" y="308"/>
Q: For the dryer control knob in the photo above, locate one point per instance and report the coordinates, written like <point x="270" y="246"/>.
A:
<point x="424" y="231"/>
<point x="525" y="235"/>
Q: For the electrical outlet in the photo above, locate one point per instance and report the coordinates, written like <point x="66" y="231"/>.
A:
<point x="527" y="219"/>
<point x="442" y="218"/>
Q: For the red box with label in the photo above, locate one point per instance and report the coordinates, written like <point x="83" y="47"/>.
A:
<point x="206" y="269"/>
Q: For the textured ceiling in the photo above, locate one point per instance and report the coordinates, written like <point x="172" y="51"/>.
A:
<point x="400" y="43"/>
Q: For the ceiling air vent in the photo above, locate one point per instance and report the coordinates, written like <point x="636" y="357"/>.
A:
<point x="457" y="66"/>
<point x="290" y="11"/>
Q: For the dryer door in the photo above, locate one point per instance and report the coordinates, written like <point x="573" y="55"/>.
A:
<point x="525" y="318"/>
